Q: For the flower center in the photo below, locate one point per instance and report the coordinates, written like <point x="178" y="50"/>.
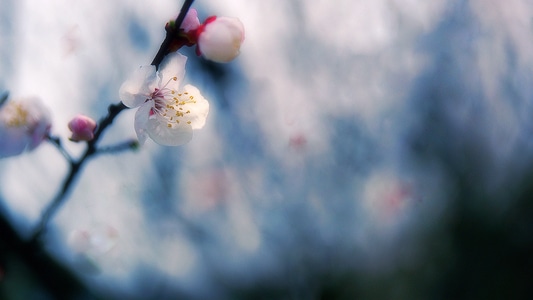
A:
<point x="171" y="105"/>
<point x="17" y="115"/>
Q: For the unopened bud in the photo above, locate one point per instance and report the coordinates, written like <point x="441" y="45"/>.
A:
<point x="82" y="128"/>
<point x="220" y="38"/>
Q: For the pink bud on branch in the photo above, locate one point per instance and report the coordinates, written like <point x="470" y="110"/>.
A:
<point x="82" y="128"/>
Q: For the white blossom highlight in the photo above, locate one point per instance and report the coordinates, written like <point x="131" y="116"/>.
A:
<point x="167" y="114"/>
<point x="24" y="124"/>
<point x="220" y="38"/>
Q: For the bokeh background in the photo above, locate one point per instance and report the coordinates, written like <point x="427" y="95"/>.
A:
<point x="356" y="149"/>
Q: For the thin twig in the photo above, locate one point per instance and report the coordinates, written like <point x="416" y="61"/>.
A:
<point x="163" y="49"/>
<point x="56" y="141"/>
<point x="75" y="167"/>
<point x="4" y="98"/>
<point x="123" y="146"/>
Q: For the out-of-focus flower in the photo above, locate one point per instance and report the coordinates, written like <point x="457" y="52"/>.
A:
<point x="92" y="246"/>
<point x="82" y="128"/>
<point x="94" y="241"/>
<point x="24" y="124"/>
<point x="166" y="114"/>
<point x="220" y="38"/>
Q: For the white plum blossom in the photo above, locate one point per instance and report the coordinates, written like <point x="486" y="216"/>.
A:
<point x="220" y="38"/>
<point x="24" y="124"/>
<point x="167" y="114"/>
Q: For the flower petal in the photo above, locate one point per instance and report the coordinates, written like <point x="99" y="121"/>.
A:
<point x="173" y="65"/>
<point x="141" y="121"/>
<point x="139" y="86"/>
<point x="13" y="141"/>
<point x="199" y="109"/>
<point x="159" y="130"/>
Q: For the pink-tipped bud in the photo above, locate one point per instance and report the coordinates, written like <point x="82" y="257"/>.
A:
<point x="82" y="128"/>
<point x="220" y="38"/>
<point x="191" y="21"/>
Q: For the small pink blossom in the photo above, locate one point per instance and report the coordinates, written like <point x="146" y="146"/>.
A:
<point x="82" y="128"/>
<point x="220" y="38"/>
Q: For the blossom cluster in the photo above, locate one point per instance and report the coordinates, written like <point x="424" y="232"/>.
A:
<point x="167" y="111"/>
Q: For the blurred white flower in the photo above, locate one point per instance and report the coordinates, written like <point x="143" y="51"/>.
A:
<point x="94" y="242"/>
<point x="82" y="128"/>
<point x="92" y="247"/>
<point x="166" y="114"/>
<point x="24" y="124"/>
<point x="220" y="38"/>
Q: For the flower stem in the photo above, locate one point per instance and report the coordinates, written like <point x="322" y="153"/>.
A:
<point x="58" y="200"/>
<point x="163" y="49"/>
<point x="4" y="98"/>
<point x="75" y="168"/>
<point x="56" y="141"/>
<point x="123" y="146"/>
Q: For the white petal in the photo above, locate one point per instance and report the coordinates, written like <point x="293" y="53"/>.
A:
<point x="141" y="121"/>
<point x="176" y="135"/>
<point x="13" y="141"/>
<point x="198" y="110"/>
<point x="173" y="65"/>
<point x="139" y="86"/>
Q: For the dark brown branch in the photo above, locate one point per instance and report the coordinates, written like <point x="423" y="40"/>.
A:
<point x="164" y="48"/>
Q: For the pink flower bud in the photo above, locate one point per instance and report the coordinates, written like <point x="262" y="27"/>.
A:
<point x="24" y="124"/>
<point x="82" y="128"/>
<point x="220" y="38"/>
<point x="191" y="21"/>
